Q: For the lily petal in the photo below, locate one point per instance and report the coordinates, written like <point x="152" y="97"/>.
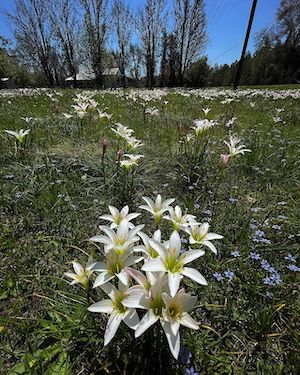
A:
<point x="111" y="328"/>
<point x="147" y="321"/>
<point x="194" y="275"/>
<point x="105" y="306"/>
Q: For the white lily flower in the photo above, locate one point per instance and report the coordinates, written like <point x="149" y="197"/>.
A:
<point x="118" y="312"/>
<point x="122" y="131"/>
<point x="171" y="261"/>
<point x="151" y="299"/>
<point x="152" y="111"/>
<point x="179" y="220"/>
<point x="104" y="114"/>
<point x="176" y="314"/>
<point x="158" y="207"/>
<point x="81" y="275"/>
<point x="131" y="161"/>
<point x="18" y="134"/>
<point x="67" y="115"/>
<point x="206" y="111"/>
<point x="199" y="235"/>
<point x="120" y="240"/>
<point x="234" y="148"/>
<point x="27" y="119"/>
<point x="114" y="266"/>
<point x="200" y="126"/>
<point x="116" y="216"/>
<point x="147" y="248"/>
<point x="134" y="143"/>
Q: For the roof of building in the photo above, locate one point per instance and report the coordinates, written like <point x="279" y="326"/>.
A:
<point x="89" y="76"/>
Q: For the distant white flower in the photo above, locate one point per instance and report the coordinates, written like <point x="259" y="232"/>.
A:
<point x="152" y="111"/>
<point x="234" y="147"/>
<point x="158" y="207"/>
<point x="206" y="110"/>
<point x="178" y="219"/>
<point x="104" y="114"/>
<point x="134" y="143"/>
<point x="116" y="216"/>
<point x="18" y="134"/>
<point x="27" y="119"/>
<point x="67" y="115"/>
<point x="122" y="131"/>
<point x="199" y="235"/>
<point x="81" y="275"/>
<point x="200" y="126"/>
<point x="131" y="161"/>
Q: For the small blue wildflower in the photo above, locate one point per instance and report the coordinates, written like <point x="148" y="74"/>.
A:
<point x="229" y="274"/>
<point x="293" y="267"/>
<point x="197" y="205"/>
<point x="265" y="265"/>
<point x="185" y="356"/>
<point x="254" y="255"/>
<point x="235" y="254"/>
<point x="218" y="276"/>
<point x="269" y="295"/>
<point x="291" y="258"/>
<point x="232" y="200"/>
<point x="272" y="269"/>
<point x="184" y="240"/>
<point x="255" y="209"/>
<point x="272" y="280"/>
<point x="191" y="371"/>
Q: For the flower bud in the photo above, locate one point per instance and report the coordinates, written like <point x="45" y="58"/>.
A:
<point x="225" y="158"/>
<point x="120" y="153"/>
<point x="104" y="144"/>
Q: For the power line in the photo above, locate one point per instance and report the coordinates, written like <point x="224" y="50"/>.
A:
<point x="242" y="41"/>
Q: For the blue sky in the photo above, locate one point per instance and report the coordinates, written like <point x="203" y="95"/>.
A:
<point x="227" y="23"/>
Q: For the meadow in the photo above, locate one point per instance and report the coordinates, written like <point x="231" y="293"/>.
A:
<point x="70" y="167"/>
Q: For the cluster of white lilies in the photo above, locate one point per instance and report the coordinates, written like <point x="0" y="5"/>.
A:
<point x="126" y="134"/>
<point x="144" y="272"/>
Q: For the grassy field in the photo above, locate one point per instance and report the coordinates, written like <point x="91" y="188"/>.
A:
<point x="56" y="186"/>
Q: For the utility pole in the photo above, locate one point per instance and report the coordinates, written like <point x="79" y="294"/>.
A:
<point x="239" y="69"/>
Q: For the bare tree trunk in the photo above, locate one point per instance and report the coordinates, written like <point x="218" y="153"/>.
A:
<point x="150" y="21"/>
<point x="190" y="31"/>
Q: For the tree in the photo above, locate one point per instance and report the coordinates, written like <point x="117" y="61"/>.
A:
<point x="64" y="22"/>
<point x="198" y="73"/>
<point x="288" y="16"/>
<point x="122" y="21"/>
<point x="150" y="21"/>
<point x="173" y="60"/>
<point x="135" y="61"/>
<point x="190" y="31"/>
<point x="163" y="63"/>
<point x="96" y="28"/>
<point x="34" y="36"/>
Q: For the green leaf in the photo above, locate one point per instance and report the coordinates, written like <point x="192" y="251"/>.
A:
<point x="61" y="366"/>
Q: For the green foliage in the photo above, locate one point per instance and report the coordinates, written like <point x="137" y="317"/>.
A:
<point x="54" y="193"/>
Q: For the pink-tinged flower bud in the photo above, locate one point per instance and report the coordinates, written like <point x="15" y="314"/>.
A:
<point x="225" y="158"/>
<point x="104" y="144"/>
<point x="120" y="153"/>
